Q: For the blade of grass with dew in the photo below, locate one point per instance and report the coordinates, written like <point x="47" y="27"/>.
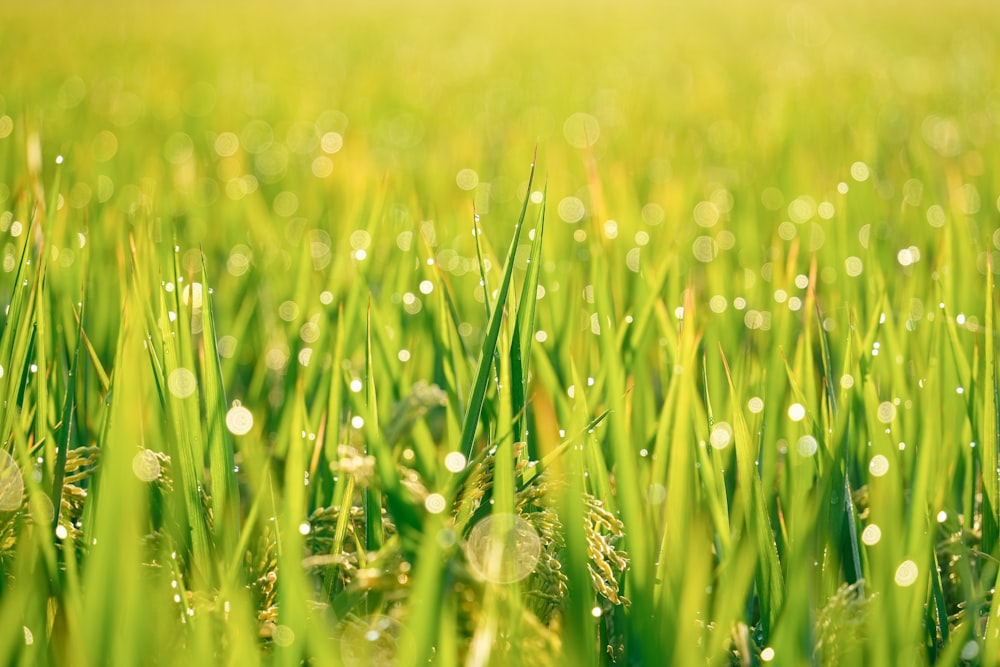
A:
<point x="620" y="448"/>
<point x="335" y="398"/>
<point x="990" y="470"/>
<point x="221" y="455"/>
<point x="842" y="516"/>
<point x="939" y="609"/>
<point x="114" y="532"/>
<point x="481" y="262"/>
<point x="482" y="376"/>
<point x="989" y="429"/>
<point x="887" y="510"/>
<point x="673" y="463"/>
<point x="965" y="370"/>
<point x="427" y="592"/>
<point x="770" y="583"/>
<point x="452" y="355"/>
<point x="66" y="429"/>
<point x="497" y="617"/>
<point x="41" y="369"/>
<point x="93" y="356"/>
<point x="524" y="328"/>
<point x="503" y="442"/>
<point x="712" y="468"/>
<point x="374" y="529"/>
<point x="579" y="620"/>
<point x="15" y="342"/>
<point x="398" y="501"/>
<point x="303" y="639"/>
<point x="185" y="449"/>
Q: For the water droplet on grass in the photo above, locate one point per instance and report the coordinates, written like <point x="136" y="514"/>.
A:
<point x="806" y="445"/>
<point x="239" y="420"/>
<point x="146" y="465"/>
<point x="906" y="573"/>
<point x="721" y="435"/>
<point x="878" y="466"/>
<point x="288" y="311"/>
<point x="705" y="249"/>
<point x="571" y="209"/>
<point x="192" y="295"/>
<point x="503" y="548"/>
<point x="331" y="142"/>
<point x="435" y="503"/>
<point x="182" y="382"/>
<point x="970" y="650"/>
<point x="455" y="462"/>
<point x="871" y="534"/>
<point x="467" y="179"/>
<point x="859" y="171"/>
<point x="796" y="412"/>
<point x="706" y="214"/>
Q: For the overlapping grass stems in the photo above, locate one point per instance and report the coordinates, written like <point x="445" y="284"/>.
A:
<point x="771" y="435"/>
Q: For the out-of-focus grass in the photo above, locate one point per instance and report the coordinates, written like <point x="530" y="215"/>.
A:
<point x="275" y="344"/>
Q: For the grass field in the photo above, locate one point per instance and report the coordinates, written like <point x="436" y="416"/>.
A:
<point x="514" y="333"/>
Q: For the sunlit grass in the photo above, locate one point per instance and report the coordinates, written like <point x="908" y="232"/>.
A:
<point x="499" y="334"/>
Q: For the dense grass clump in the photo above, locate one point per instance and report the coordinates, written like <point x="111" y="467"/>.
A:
<point x="513" y="334"/>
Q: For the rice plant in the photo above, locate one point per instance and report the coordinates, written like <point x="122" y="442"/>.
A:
<point x="527" y="334"/>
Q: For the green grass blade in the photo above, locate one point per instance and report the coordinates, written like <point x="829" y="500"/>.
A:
<point x="481" y="379"/>
<point x="524" y="328"/>
<point x="374" y="531"/>
<point x="770" y="581"/>
<point x="66" y="428"/>
<point x="221" y="458"/>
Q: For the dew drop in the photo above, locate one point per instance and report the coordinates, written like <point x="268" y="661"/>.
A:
<point x="906" y="573"/>
<point x="503" y="548"/>
<point x="454" y="462"/>
<point x="796" y="412"/>
<point x="182" y="382"/>
<point x="239" y="420"/>
<point x="871" y="534"/>
<point x="878" y="466"/>
<point x="435" y="503"/>
<point x="146" y="465"/>
<point x="721" y="436"/>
